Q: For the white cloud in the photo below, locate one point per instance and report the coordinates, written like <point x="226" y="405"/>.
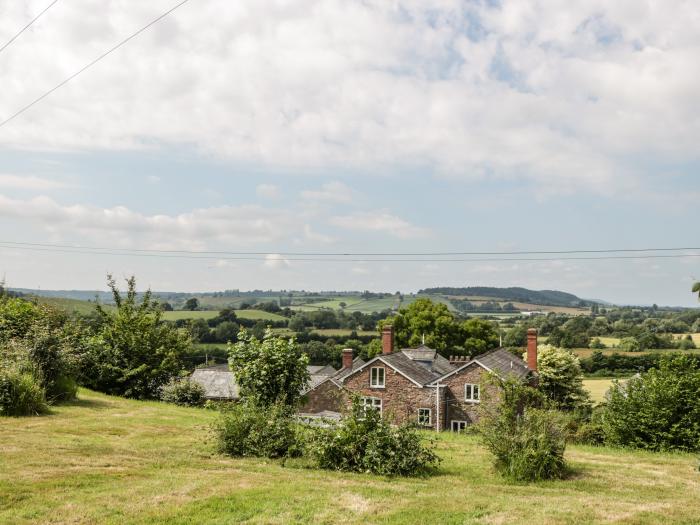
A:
<point x="275" y="261"/>
<point x="268" y="191"/>
<point x="29" y="182"/>
<point x="228" y="225"/>
<point x="566" y="95"/>
<point x="379" y="221"/>
<point x="331" y="193"/>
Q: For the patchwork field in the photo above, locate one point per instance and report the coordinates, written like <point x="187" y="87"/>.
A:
<point x="586" y="352"/>
<point x="108" y="460"/>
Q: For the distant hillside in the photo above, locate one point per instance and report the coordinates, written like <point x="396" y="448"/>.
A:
<point x="522" y="295"/>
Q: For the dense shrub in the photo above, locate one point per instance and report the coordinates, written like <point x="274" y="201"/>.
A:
<point x="248" y="429"/>
<point x="526" y="438"/>
<point x="21" y="394"/>
<point x="561" y="378"/>
<point x="364" y="442"/>
<point x="183" y="392"/>
<point x="657" y="410"/>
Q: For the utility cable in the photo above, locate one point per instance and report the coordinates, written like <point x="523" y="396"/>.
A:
<point x="37" y="17"/>
<point x="92" y="63"/>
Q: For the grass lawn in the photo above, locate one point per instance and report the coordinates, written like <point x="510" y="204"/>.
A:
<point x="108" y="460"/>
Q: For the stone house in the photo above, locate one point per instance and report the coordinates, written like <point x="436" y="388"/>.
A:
<point x="418" y="384"/>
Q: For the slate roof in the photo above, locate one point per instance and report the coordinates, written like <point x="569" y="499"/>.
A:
<point x="340" y="374"/>
<point x="218" y="382"/>
<point x="504" y="364"/>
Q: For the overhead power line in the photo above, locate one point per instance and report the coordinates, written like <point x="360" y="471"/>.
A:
<point x="202" y="256"/>
<point x="92" y="63"/>
<point x="354" y="254"/>
<point x="37" y="17"/>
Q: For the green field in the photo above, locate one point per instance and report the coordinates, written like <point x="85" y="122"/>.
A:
<point x="71" y="305"/>
<point x="597" y="388"/>
<point x="112" y="461"/>
<point x="587" y="352"/>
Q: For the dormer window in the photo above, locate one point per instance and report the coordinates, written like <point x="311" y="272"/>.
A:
<point x="377" y="377"/>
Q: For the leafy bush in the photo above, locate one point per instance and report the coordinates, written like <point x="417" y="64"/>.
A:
<point x="526" y="438"/>
<point x="21" y="393"/>
<point x="269" y="371"/>
<point x="629" y="344"/>
<point x="248" y="429"/>
<point x="561" y="378"/>
<point x="657" y="410"/>
<point x="364" y="442"/>
<point x="183" y="392"/>
<point x="132" y="352"/>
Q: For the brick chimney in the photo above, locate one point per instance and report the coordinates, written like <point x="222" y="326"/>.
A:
<point x="532" y="349"/>
<point x="387" y="339"/>
<point x="347" y="358"/>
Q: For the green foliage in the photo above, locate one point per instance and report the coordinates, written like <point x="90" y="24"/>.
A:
<point x="248" y="429"/>
<point x="133" y="352"/>
<point x="435" y="322"/>
<point x="657" y="410"/>
<point x="21" y="392"/>
<point x="183" y="392"/>
<point x="364" y="442"/>
<point x="560" y="377"/>
<point x="597" y="344"/>
<point x="16" y="317"/>
<point x="526" y="438"/>
<point x="269" y="371"/>
<point x="696" y="288"/>
<point x="629" y="344"/>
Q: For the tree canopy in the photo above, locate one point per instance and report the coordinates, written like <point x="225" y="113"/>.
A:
<point x="560" y="377"/>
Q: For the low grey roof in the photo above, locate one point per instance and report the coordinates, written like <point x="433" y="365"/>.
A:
<point x="504" y="364"/>
<point x="218" y="382"/>
<point x="340" y="374"/>
<point x="420" y="371"/>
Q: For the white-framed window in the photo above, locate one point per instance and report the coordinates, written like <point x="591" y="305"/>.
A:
<point x="377" y="377"/>
<point x="472" y="393"/>
<point x="425" y="417"/>
<point x="458" y="426"/>
<point x="373" y="403"/>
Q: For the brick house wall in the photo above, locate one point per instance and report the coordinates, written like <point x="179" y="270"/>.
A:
<point x="326" y="396"/>
<point x="457" y="408"/>
<point x="401" y="398"/>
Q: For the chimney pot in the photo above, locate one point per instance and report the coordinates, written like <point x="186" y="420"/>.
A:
<point x="387" y="339"/>
<point x="532" y="349"/>
<point x="347" y="358"/>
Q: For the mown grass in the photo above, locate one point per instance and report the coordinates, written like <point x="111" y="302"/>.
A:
<point x="109" y="460"/>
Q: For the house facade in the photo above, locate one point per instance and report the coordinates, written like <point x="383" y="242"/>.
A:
<point x="418" y="384"/>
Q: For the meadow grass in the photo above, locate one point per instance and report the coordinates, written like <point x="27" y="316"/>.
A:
<point x="107" y="460"/>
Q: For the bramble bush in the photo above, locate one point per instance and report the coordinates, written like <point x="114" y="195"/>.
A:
<point x="251" y="430"/>
<point x="21" y="393"/>
<point x="183" y="392"/>
<point x="525" y="436"/>
<point x="364" y="442"/>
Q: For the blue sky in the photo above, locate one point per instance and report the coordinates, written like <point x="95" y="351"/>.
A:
<point x="343" y="126"/>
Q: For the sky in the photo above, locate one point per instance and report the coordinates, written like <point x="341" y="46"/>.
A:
<point x="347" y="126"/>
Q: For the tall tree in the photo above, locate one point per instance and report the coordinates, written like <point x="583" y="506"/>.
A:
<point x="561" y="378"/>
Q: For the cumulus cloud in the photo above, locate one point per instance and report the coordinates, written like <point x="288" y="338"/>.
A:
<point x="275" y="261"/>
<point x="567" y="95"/>
<point x="330" y="193"/>
<point x="380" y="221"/>
<point x="232" y="225"/>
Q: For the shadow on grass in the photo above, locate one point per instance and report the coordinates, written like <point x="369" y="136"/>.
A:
<point x="96" y="404"/>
